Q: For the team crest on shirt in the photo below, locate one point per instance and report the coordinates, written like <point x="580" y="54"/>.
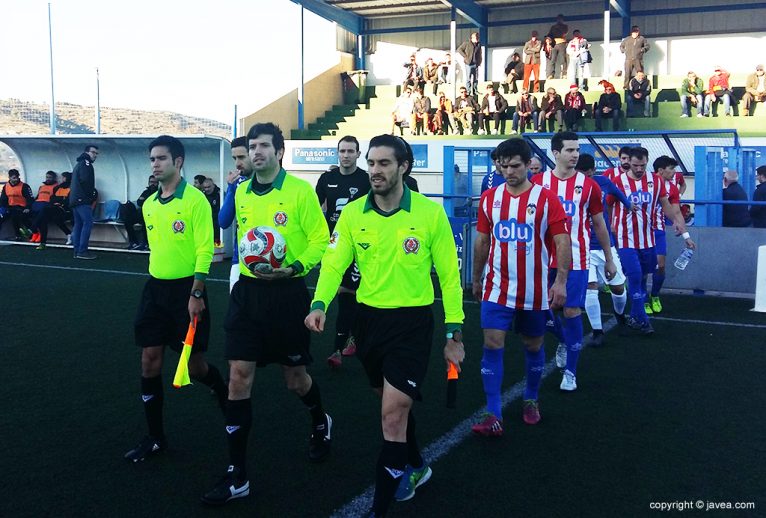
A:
<point x="411" y="245"/>
<point x="280" y="218"/>
<point x="531" y="208"/>
<point x="179" y="226"/>
<point x="352" y="191"/>
<point x="578" y="189"/>
<point x="650" y="184"/>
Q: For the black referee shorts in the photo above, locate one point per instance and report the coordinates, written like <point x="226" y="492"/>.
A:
<point x="264" y="323"/>
<point x="395" y="344"/>
<point x="351" y="278"/>
<point x="163" y="315"/>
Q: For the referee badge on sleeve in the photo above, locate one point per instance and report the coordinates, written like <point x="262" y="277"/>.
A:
<point x="333" y="240"/>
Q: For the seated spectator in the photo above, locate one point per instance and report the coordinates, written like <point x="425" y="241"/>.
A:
<point x="465" y="111"/>
<point x="755" y="90"/>
<point x="402" y="112"/>
<point x="59" y="211"/>
<point x="421" y="113"/>
<point x="574" y="108"/>
<point x="444" y="120"/>
<point x="213" y="195"/>
<point x="133" y="217"/>
<point x="608" y="107"/>
<point x="40" y="210"/>
<point x="431" y="74"/>
<point x="413" y="75"/>
<point x="514" y="69"/>
<point x="446" y="68"/>
<point x="758" y="212"/>
<point x="691" y="94"/>
<point x="578" y="52"/>
<point x="16" y="200"/>
<point x="551" y="112"/>
<point x="199" y="180"/>
<point x="639" y="95"/>
<point x="734" y="215"/>
<point x="526" y="112"/>
<point x="492" y="106"/>
<point x="718" y="90"/>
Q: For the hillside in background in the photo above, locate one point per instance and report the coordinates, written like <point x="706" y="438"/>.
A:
<point x="29" y="118"/>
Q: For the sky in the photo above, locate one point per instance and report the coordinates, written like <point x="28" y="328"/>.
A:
<point x="196" y="57"/>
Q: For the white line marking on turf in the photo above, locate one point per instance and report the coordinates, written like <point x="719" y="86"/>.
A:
<point x="709" y="322"/>
<point x="97" y="270"/>
<point x="361" y="505"/>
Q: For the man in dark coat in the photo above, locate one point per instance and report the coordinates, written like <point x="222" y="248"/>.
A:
<point x="81" y="198"/>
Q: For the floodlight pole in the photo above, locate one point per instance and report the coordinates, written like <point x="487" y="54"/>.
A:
<point x="300" y="88"/>
<point x="98" y="104"/>
<point x="607" y="39"/>
<point x="50" y="53"/>
<point x="452" y="46"/>
<point x="234" y="125"/>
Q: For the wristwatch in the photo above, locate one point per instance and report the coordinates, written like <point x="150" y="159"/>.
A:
<point x="456" y="336"/>
<point x="197" y="294"/>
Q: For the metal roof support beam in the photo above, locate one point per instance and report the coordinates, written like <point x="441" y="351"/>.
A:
<point x="622" y="7"/>
<point x="349" y="21"/>
<point x="469" y="10"/>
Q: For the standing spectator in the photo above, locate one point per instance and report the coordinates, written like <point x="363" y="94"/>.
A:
<point x="551" y="111"/>
<point x="514" y="70"/>
<point x="444" y="120"/>
<point x="734" y="215"/>
<point x="402" y="112"/>
<point x="718" y="90"/>
<point x="574" y="108"/>
<point x="755" y="90"/>
<point x="558" y="56"/>
<point x="492" y="106"/>
<point x="634" y="47"/>
<point x="532" y="50"/>
<point x="431" y="74"/>
<point x="526" y="111"/>
<point x="465" y="111"/>
<point x="691" y="94"/>
<point x="59" y="211"/>
<point x="421" y="113"/>
<point x="16" y="199"/>
<point x="578" y="52"/>
<point x="639" y="92"/>
<point x="609" y="107"/>
<point x="547" y="50"/>
<point x="81" y="198"/>
<point x="471" y="53"/>
<point x="758" y="212"/>
<point x="414" y="74"/>
<point x="198" y="181"/>
<point x="213" y="195"/>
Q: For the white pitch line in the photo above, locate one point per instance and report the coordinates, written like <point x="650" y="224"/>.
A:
<point x="361" y="504"/>
<point x="709" y="322"/>
<point x="97" y="270"/>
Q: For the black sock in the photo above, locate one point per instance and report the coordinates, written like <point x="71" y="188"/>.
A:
<point x="313" y="401"/>
<point x="239" y="420"/>
<point x="414" y="458"/>
<point x="214" y="380"/>
<point x="390" y="469"/>
<point x="347" y="307"/>
<point x="151" y="394"/>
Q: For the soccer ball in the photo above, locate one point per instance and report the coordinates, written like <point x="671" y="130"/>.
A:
<point x="262" y="249"/>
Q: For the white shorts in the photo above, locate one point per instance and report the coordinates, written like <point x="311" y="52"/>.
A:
<point x="233" y="276"/>
<point x="597" y="273"/>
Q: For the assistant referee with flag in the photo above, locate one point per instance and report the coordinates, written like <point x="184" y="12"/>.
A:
<point x="395" y="236"/>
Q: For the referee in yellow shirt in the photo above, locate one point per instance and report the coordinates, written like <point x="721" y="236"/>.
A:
<point x="395" y="236"/>
<point x="179" y="229"/>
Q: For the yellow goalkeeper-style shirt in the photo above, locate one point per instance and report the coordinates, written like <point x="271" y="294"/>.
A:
<point x="394" y="253"/>
<point x="180" y="233"/>
<point x="292" y="208"/>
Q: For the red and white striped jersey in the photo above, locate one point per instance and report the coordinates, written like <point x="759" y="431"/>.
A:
<point x="613" y="172"/>
<point x="521" y="230"/>
<point x="581" y="199"/>
<point x="635" y="229"/>
<point x="674" y="196"/>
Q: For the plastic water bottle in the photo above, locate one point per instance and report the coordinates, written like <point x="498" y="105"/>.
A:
<point x="684" y="258"/>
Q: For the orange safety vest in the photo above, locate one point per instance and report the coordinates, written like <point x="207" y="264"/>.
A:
<point x="15" y="195"/>
<point x="45" y="192"/>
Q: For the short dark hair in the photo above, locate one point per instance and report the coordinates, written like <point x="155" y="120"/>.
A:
<point x="199" y="178"/>
<point x="13" y="172"/>
<point x="664" y="161"/>
<point x="402" y="150"/>
<point x="349" y="138"/>
<point x="624" y="150"/>
<point x="87" y="148"/>
<point x="493" y="154"/>
<point x="557" y="142"/>
<point x="68" y="176"/>
<point x="55" y="175"/>
<point x="174" y="145"/>
<point x="514" y="147"/>
<point x="635" y="28"/>
<point x="239" y="142"/>
<point x="268" y="128"/>
<point x="761" y="171"/>
<point x="586" y="162"/>
<point x="639" y="152"/>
